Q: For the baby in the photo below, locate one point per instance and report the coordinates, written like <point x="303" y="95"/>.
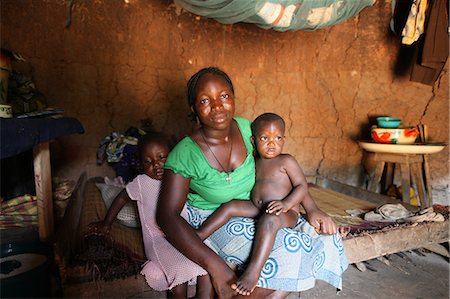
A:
<point x="279" y="189"/>
<point x="167" y="268"/>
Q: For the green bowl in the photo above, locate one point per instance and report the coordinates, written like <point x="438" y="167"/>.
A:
<point x="388" y="122"/>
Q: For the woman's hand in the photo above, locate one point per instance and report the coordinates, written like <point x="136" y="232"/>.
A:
<point x="322" y="223"/>
<point x="222" y="278"/>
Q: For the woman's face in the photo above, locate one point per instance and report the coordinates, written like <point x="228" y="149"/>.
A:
<point x="214" y="102"/>
<point x="153" y="158"/>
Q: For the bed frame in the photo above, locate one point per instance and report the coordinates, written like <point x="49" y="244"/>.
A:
<point x="370" y="246"/>
<point x="331" y="196"/>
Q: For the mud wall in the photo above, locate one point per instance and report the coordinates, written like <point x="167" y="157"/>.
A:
<point x="122" y="61"/>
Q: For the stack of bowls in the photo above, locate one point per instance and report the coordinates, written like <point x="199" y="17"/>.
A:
<point x="389" y="131"/>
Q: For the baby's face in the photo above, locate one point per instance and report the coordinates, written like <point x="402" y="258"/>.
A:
<point x="269" y="139"/>
<point x="153" y="159"/>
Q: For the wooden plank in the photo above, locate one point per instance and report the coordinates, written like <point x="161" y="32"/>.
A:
<point x="427" y="178"/>
<point x="43" y="184"/>
<point x="362" y="194"/>
<point x="398" y="158"/>
<point x="376" y="178"/>
<point x="406" y="182"/>
<point x="439" y="249"/>
<point x="370" y="246"/>
<point x="335" y="203"/>
<point x="67" y="232"/>
<point x="416" y="171"/>
<point x="390" y="169"/>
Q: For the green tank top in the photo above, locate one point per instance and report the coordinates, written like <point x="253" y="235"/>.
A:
<point x="208" y="186"/>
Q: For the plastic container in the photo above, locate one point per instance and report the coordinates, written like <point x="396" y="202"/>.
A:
<point x="25" y="270"/>
<point x="388" y="122"/>
<point x="395" y="136"/>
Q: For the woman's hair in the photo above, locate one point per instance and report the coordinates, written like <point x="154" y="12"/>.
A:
<point x="265" y="118"/>
<point x="192" y="83"/>
<point x="151" y="137"/>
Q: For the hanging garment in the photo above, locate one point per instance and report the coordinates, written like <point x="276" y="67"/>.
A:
<point x="433" y="50"/>
<point x="415" y="23"/>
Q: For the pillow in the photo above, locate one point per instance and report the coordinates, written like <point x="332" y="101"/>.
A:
<point x="128" y="215"/>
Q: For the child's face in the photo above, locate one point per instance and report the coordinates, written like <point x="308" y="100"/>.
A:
<point x="269" y="139"/>
<point x="214" y="103"/>
<point x="153" y="159"/>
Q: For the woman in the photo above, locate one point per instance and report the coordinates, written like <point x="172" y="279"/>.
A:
<point x="213" y="166"/>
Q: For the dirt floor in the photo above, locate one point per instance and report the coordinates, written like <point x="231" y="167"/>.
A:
<point x="413" y="274"/>
<point x="416" y="274"/>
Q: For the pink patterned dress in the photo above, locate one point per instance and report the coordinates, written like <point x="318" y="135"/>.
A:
<point x="166" y="267"/>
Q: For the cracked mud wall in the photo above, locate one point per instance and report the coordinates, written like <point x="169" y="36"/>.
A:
<point x="122" y="61"/>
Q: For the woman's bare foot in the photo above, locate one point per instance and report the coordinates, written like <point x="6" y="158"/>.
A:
<point x="247" y="282"/>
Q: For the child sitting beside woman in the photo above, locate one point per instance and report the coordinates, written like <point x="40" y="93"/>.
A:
<point x="167" y="268"/>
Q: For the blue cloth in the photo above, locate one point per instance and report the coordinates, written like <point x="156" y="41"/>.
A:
<point x="298" y="258"/>
<point x="21" y="134"/>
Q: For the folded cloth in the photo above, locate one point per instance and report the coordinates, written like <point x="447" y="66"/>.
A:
<point x="393" y="212"/>
<point x="426" y="215"/>
<point x="373" y="216"/>
<point x="20" y="211"/>
<point x="398" y="213"/>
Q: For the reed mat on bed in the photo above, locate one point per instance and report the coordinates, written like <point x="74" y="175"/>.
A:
<point x="117" y="255"/>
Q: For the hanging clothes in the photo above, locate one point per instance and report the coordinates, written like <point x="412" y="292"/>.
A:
<point x="415" y="23"/>
<point x="424" y="59"/>
<point x="432" y="52"/>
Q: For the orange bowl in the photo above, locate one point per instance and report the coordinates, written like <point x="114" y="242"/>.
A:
<point x="395" y="136"/>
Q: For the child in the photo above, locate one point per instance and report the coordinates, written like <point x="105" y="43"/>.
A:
<point x="279" y="189"/>
<point x="167" y="268"/>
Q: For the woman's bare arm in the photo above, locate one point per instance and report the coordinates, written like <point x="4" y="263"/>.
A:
<point x="182" y="236"/>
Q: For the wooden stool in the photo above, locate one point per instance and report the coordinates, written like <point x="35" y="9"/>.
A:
<point x="411" y="165"/>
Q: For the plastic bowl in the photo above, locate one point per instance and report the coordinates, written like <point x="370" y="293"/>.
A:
<point x="388" y="122"/>
<point x="395" y="136"/>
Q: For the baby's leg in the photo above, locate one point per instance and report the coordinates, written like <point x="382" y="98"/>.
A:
<point x="268" y="226"/>
<point x="204" y="287"/>
<point x="180" y="291"/>
<point x="234" y="208"/>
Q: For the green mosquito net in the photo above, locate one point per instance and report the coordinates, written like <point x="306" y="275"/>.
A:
<point x="280" y="15"/>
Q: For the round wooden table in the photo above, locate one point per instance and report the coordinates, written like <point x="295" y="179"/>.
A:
<point x="412" y="159"/>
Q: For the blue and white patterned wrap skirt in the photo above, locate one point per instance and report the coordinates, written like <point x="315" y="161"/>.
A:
<point x="299" y="255"/>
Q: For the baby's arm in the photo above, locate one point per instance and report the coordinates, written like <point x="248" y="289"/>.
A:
<point x="233" y="208"/>
<point x="114" y="209"/>
<point x="299" y="188"/>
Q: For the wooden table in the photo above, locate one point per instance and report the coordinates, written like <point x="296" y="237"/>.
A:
<point x="19" y="135"/>
<point x="411" y="159"/>
<point x="411" y="166"/>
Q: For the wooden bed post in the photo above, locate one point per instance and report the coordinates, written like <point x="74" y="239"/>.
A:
<point x="43" y="184"/>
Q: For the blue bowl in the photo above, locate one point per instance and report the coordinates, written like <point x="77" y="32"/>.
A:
<point x="388" y="122"/>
